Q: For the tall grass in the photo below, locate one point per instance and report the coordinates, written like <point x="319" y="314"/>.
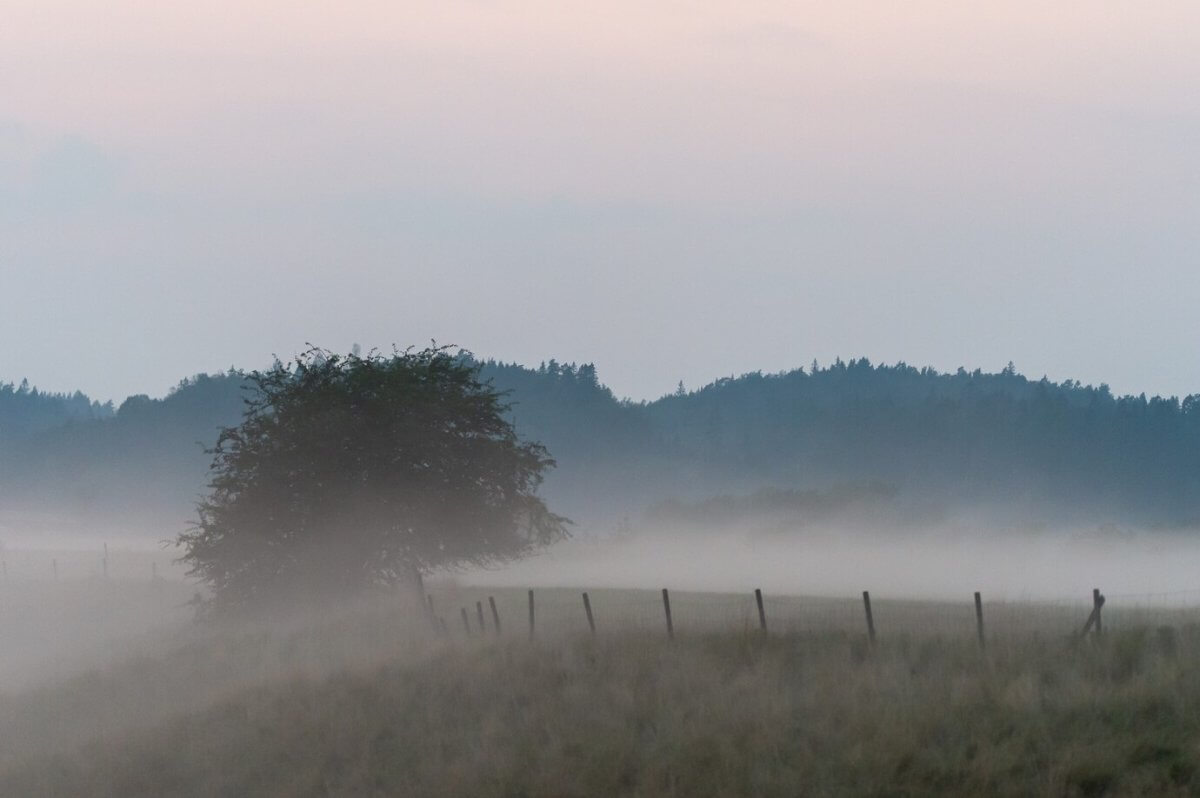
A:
<point x="319" y="711"/>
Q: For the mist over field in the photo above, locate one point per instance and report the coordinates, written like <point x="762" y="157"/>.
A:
<point x="118" y="677"/>
<point x="556" y="400"/>
<point x="818" y="481"/>
<point x="944" y="562"/>
<point x="823" y="482"/>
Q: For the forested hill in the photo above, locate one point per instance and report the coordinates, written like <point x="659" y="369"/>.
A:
<point x="999" y="441"/>
<point x="25" y="411"/>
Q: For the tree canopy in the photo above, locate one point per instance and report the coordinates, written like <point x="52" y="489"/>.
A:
<point x="349" y="471"/>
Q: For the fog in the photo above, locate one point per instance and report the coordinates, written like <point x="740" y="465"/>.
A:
<point x="56" y="626"/>
<point x="813" y="298"/>
<point x="63" y="610"/>
<point x="937" y="563"/>
<point x="100" y="644"/>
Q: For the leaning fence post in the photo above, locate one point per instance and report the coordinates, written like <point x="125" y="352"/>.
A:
<point x="870" y="618"/>
<point x="587" y="608"/>
<point x="479" y="615"/>
<point x="979" y="618"/>
<point x="530" y="614"/>
<point x="495" y="615"/>
<point x="1097" y="603"/>
<point x="1094" y="617"/>
<point x="466" y="621"/>
<point x="762" y="615"/>
<point x="667" y="610"/>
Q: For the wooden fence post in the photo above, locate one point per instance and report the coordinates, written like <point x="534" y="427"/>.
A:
<point x="479" y="615"/>
<point x="495" y="615"/>
<point x="979" y="619"/>
<point x="1097" y="603"/>
<point x="1094" y="617"/>
<point x="530" y="614"/>
<point x="105" y="563"/>
<point x="54" y="567"/>
<point x="587" y="608"/>
<point x="667" y="610"/>
<point x="762" y="614"/>
<point x="870" y="618"/>
<point x="466" y="621"/>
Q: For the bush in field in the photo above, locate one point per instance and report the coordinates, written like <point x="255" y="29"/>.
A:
<point x="351" y="471"/>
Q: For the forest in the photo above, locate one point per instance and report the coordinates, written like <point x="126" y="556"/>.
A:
<point x="1025" y="450"/>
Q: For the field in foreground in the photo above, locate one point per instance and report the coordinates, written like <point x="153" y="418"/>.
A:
<point x="367" y="705"/>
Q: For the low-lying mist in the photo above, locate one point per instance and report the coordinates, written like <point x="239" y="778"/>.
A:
<point x="70" y="603"/>
<point x="100" y="648"/>
<point x="842" y="558"/>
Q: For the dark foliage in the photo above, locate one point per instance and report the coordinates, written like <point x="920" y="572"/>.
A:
<point x="352" y="471"/>
<point x="141" y="467"/>
<point x="1028" y="447"/>
<point x="25" y="410"/>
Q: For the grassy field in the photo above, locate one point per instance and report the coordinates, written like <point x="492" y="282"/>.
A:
<point x="368" y="700"/>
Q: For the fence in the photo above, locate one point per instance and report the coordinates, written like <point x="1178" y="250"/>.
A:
<point x="475" y="611"/>
<point x="97" y="561"/>
<point x="557" y="611"/>
<point x="563" y="610"/>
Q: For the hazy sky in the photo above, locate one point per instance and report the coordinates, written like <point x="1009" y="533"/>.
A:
<point x="672" y="190"/>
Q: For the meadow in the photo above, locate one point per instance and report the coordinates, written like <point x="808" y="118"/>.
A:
<point x="374" y="699"/>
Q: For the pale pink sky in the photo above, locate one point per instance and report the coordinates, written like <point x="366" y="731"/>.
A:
<point x="673" y="190"/>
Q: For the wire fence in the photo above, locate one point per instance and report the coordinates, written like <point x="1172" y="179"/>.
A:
<point x="54" y="601"/>
<point x="101" y="561"/>
<point x="562" y="611"/>
<point x="24" y="575"/>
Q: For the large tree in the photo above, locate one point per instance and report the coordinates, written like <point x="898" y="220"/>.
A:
<point x="351" y="471"/>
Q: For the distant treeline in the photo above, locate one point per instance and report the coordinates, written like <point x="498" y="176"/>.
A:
<point x="25" y="410"/>
<point x="998" y="441"/>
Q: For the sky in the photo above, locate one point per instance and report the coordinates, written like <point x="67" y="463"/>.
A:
<point x="673" y="191"/>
